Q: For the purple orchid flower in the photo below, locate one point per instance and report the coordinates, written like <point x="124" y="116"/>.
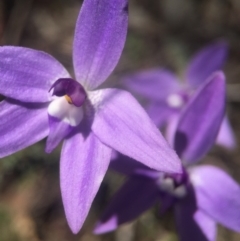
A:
<point x="202" y="196"/>
<point x="42" y="99"/>
<point x="167" y="95"/>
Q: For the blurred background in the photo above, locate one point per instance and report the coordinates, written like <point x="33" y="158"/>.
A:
<point x="161" y="33"/>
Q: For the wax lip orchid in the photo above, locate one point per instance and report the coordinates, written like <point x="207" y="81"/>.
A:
<point x="167" y="94"/>
<point x="200" y="197"/>
<point x="42" y="100"/>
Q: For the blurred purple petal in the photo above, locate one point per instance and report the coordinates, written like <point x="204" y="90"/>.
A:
<point x="128" y="166"/>
<point x="84" y="162"/>
<point x="58" y="130"/>
<point x="226" y="136"/>
<point x="155" y="84"/>
<point x="136" y="196"/>
<point x="28" y="74"/>
<point x="205" y="62"/>
<point x="125" y="165"/>
<point x="160" y="112"/>
<point x="121" y="123"/>
<point x="207" y="225"/>
<point x="217" y="194"/>
<point x="171" y="128"/>
<point x="21" y="125"/>
<point x="167" y="201"/>
<point x="200" y="121"/>
<point x="99" y="39"/>
<point x="193" y="224"/>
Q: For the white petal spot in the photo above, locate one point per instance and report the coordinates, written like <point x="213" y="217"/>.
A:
<point x="175" y="101"/>
<point x="66" y="112"/>
<point x="194" y="178"/>
<point x="167" y="184"/>
<point x="180" y="191"/>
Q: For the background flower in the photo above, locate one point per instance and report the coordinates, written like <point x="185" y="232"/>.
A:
<point x="167" y="95"/>
<point x="199" y="201"/>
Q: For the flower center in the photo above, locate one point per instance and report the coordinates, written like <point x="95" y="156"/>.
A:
<point x="175" y="100"/>
<point x="69" y="100"/>
<point x="73" y="91"/>
<point x="68" y="107"/>
<point x="175" y="185"/>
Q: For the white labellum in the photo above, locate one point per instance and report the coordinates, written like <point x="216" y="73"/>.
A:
<point x="68" y="113"/>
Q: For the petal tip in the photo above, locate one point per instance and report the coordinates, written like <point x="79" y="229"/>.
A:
<point x="48" y="150"/>
<point x="105" y="227"/>
<point x="218" y="79"/>
<point x="176" y="167"/>
<point x="220" y="44"/>
<point x="220" y="74"/>
<point x="74" y="224"/>
<point x="74" y="229"/>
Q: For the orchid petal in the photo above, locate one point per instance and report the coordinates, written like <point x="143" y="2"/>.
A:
<point x="121" y="123"/>
<point x="226" y="136"/>
<point x="128" y="166"/>
<point x="217" y="195"/>
<point x="135" y="196"/>
<point x="155" y="84"/>
<point x="171" y="128"/>
<point x="200" y="121"/>
<point x="167" y="201"/>
<point x="21" y="125"/>
<point x="99" y="39"/>
<point x="192" y="223"/>
<point x="84" y="162"/>
<point x="205" y="62"/>
<point x="58" y="130"/>
<point x="125" y="165"/>
<point x="28" y="74"/>
<point x="160" y="113"/>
